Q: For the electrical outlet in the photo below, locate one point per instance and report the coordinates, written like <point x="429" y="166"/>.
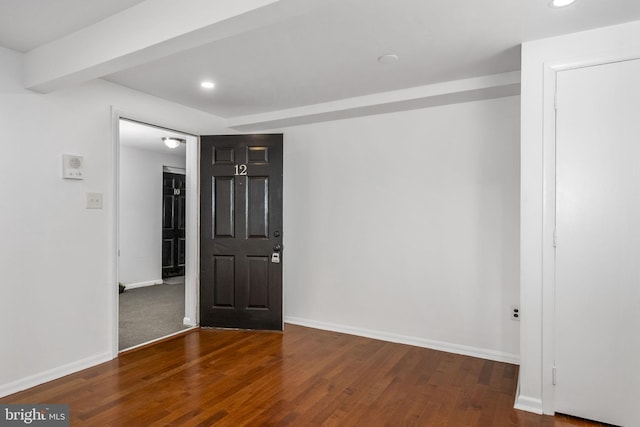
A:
<point x="94" y="200"/>
<point x="515" y="313"/>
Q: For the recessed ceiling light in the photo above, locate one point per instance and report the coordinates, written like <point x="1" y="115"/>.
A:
<point x="207" y="85"/>
<point x="561" y="3"/>
<point x="173" y="143"/>
<point x="388" y="58"/>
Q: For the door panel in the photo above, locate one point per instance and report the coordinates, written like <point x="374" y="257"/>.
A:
<point x="182" y="202"/>
<point x="173" y="225"/>
<point x="182" y="258"/>
<point x="168" y="209"/>
<point x="223" y="206"/>
<point x="224" y="280"/>
<point x="257" y="270"/>
<point x="258" y="207"/>
<point x="167" y="253"/>
<point x="598" y="243"/>
<point x="241" y="213"/>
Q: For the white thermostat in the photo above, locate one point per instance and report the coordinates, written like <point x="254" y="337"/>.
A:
<point x="72" y="167"/>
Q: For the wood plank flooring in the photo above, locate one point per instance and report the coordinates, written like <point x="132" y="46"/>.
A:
<point x="302" y="377"/>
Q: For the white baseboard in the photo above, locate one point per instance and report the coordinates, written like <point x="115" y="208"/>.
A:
<point x="188" y="322"/>
<point x="528" y="404"/>
<point x="53" y="374"/>
<point x="415" y="341"/>
<point x="143" y="284"/>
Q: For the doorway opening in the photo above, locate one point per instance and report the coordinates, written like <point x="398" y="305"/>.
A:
<point x="155" y="278"/>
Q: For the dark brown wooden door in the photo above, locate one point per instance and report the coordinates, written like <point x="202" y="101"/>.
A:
<point x="241" y="231"/>
<point x="173" y="225"/>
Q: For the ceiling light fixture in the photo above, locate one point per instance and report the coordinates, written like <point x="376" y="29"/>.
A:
<point x="561" y="3"/>
<point x="173" y="143"/>
<point x="207" y="85"/>
<point x="388" y="58"/>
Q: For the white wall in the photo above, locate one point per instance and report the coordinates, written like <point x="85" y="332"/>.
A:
<point x="404" y="226"/>
<point x="537" y="203"/>
<point x="58" y="285"/>
<point x="141" y="213"/>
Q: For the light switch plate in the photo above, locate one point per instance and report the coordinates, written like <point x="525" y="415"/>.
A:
<point x="94" y="200"/>
<point x="72" y="167"/>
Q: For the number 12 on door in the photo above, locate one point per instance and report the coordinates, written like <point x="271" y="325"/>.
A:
<point x="241" y="170"/>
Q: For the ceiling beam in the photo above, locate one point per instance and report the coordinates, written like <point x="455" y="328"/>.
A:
<point x="145" y="32"/>
<point x="452" y="92"/>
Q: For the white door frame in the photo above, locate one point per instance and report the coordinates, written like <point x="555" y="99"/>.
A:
<point x="549" y="210"/>
<point x="192" y="250"/>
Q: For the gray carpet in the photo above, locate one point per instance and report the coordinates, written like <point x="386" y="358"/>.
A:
<point x="151" y="312"/>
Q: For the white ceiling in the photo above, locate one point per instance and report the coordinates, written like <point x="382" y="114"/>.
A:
<point x="327" y="51"/>
<point x="332" y="54"/>
<point x="149" y="138"/>
<point x="26" y="24"/>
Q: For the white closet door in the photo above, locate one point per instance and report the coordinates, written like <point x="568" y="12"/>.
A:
<point x="598" y="243"/>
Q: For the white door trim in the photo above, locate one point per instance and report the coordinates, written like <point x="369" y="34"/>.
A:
<point x="549" y="209"/>
<point x="192" y="267"/>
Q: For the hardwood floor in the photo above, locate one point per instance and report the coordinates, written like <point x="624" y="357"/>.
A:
<point x="303" y="377"/>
